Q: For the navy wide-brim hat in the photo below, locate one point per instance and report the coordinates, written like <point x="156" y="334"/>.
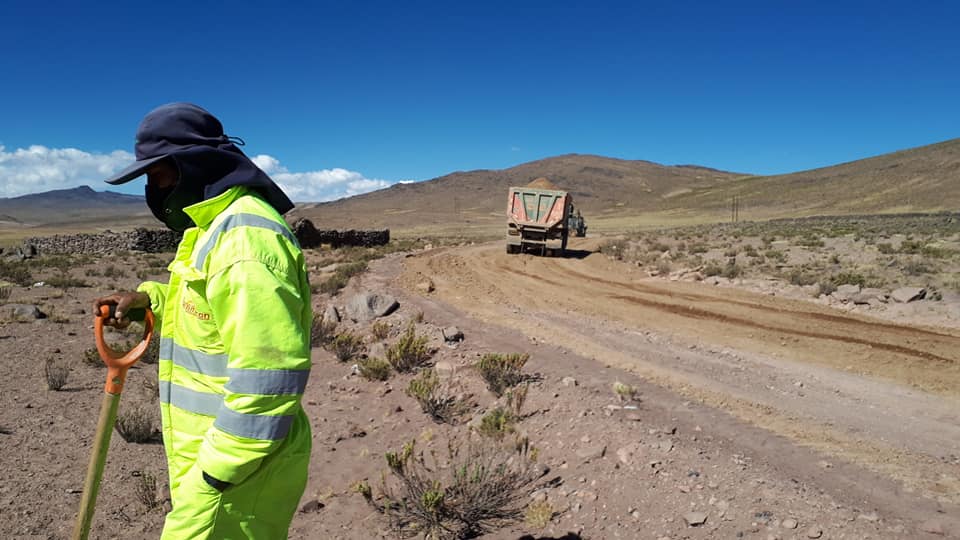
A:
<point x="206" y="157"/>
<point x="169" y="129"/>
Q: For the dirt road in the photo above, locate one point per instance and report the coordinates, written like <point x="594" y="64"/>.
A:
<point x="885" y="396"/>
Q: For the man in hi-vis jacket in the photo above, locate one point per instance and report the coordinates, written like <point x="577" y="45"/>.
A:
<point x="234" y="325"/>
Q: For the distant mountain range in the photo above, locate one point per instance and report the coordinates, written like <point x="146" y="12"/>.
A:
<point x="924" y="179"/>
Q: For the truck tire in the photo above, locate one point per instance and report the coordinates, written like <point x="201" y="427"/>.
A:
<point x="512" y="249"/>
<point x="563" y="244"/>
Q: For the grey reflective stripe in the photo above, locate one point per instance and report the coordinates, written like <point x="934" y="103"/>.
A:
<point x="212" y="365"/>
<point x="253" y="426"/>
<point x="241" y="220"/>
<point x="267" y="381"/>
<point x="190" y="400"/>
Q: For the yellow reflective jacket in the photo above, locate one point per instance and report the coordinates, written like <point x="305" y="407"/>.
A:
<point x="235" y="323"/>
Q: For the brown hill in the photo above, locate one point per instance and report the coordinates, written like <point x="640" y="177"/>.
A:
<point x="600" y="186"/>
<point x="922" y="179"/>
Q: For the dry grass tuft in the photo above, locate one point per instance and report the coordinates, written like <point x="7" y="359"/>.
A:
<point x="136" y="425"/>
<point x="56" y="374"/>
<point x="409" y="352"/>
<point x="502" y="371"/>
<point x="476" y="488"/>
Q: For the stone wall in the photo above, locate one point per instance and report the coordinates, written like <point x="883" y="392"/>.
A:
<point x="310" y="237"/>
<point x="163" y="240"/>
<point x="145" y="240"/>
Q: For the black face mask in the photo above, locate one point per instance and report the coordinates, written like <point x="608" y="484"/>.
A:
<point x="167" y="205"/>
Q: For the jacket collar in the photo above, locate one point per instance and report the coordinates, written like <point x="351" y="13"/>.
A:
<point x="204" y="212"/>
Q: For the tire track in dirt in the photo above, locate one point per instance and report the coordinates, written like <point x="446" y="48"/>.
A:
<point x="778" y="310"/>
<point x="703" y="314"/>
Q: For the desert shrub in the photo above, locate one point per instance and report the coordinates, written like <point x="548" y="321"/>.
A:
<point x="374" y="369"/>
<point x="332" y="285"/>
<point x="502" y="371"/>
<point x="623" y="391"/>
<point x="146" y="490"/>
<point x="698" y="248"/>
<point x="826" y="287"/>
<point x="346" y="346"/>
<point x="916" y="268"/>
<point x="731" y="251"/>
<point x="516" y="397"/>
<point x="434" y="398"/>
<point x="848" y="278"/>
<point x="16" y="271"/>
<point x="409" y="352"/>
<point x="56" y="374"/>
<point x="538" y="514"/>
<point x="659" y="246"/>
<point x="152" y="354"/>
<point x="810" y="241"/>
<point x="750" y="251"/>
<point x="911" y="247"/>
<point x="341" y="276"/>
<point x="91" y="357"/>
<point x="886" y="248"/>
<point x="775" y="255"/>
<point x="380" y="330"/>
<point x="497" y="423"/>
<point x="476" y="488"/>
<point x="5" y="291"/>
<point x="321" y="330"/>
<point x="712" y="269"/>
<point x="801" y="277"/>
<point x="66" y="281"/>
<point x="615" y="248"/>
<point x="732" y="270"/>
<point x="136" y="425"/>
<point x="664" y="267"/>
<point x="418" y="318"/>
<point x="114" y="272"/>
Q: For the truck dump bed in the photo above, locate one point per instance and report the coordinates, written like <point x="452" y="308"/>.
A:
<point x="536" y="213"/>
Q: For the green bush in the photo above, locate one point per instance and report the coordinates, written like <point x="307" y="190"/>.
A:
<point x="497" y="423"/>
<point x="380" y="330"/>
<point x="472" y="490"/>
<point x="409" y="352"/>
<point x="502" y="371"/>
<point x="374" y="369"/>
<point x="434" y="399"/>
<point x="346" y="346"/>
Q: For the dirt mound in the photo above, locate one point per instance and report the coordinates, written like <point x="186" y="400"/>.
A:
<point x="542" y="183"/>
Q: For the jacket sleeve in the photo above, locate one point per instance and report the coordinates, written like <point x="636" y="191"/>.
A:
<point x="262" y="316"/>
<point x="158" y="297"/>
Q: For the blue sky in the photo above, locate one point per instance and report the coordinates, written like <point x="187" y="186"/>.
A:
<point x="336" y="98"/>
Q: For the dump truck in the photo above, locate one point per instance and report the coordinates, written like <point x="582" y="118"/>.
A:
<point x="537" y="214"/>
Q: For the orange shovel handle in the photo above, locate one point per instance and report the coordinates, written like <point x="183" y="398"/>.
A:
<point x="118" y="363"/>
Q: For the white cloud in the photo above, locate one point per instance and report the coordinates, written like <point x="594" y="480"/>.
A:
<point x="318" y="186"/>
<point x="38" y="168"/>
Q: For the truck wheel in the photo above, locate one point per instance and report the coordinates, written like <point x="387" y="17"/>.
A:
<point x="563" y="244"/>
<point x="512" y="249"/>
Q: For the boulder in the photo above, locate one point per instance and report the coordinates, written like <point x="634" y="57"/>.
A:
<point x="846" y="292"/>
<point x="331" y="314"/>
<point x="908" y="294"/>
<point x="870" y="296"/>
<point x="22" y="312"/>
<point x="368" y="306"/>
<point x="452" y="334"/>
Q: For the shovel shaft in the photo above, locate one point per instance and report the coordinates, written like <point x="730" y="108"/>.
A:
<point x="91" y="486"/>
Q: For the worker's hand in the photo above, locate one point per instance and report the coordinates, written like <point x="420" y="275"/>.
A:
<point x="125" y="301"/>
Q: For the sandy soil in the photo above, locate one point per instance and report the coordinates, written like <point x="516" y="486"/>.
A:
<point x="774" y="418"/>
